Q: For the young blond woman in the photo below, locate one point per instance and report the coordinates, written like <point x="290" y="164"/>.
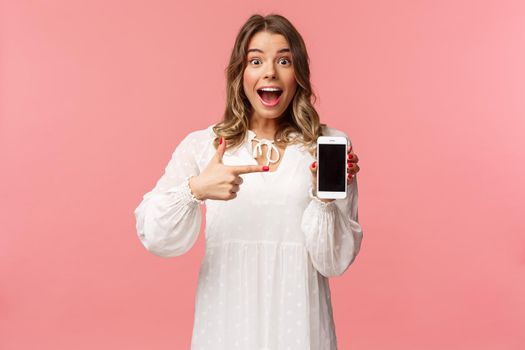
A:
<point x="271" y="243"/>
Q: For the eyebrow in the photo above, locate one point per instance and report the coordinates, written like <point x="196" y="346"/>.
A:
<point x="261" y="51"/>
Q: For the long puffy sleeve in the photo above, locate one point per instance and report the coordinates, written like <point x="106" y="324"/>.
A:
<point x="168" y="218"/>
<point x="333" y="233"/>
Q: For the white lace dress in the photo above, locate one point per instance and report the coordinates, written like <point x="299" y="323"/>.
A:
<point x="263" y="282"/>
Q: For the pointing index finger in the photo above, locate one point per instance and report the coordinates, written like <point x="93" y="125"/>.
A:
<point x="245" y="169"/>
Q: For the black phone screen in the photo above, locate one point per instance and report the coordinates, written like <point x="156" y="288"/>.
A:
<point x="332" y="167"/>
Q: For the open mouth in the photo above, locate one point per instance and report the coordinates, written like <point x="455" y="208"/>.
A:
<point x="269" y="96"/>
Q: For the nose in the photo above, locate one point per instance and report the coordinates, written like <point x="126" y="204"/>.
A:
<point x="270" y="72"/>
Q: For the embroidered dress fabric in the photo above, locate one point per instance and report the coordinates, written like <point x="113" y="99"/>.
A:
<point x="264" y="280"/>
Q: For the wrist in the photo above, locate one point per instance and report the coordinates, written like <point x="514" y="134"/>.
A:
<point x="193" y="183"/>
<point x="324" y="200"/>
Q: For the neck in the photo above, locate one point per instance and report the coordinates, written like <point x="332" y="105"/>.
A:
<point x="263" y="128"/>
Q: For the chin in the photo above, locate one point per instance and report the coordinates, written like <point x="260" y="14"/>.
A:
<point x="271" y="115"/>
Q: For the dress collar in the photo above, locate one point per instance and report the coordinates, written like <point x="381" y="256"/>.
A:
<point x="251" y="135"/>
<point x="272" y="152"/>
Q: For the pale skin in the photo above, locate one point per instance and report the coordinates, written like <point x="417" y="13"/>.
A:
<point x="269" y="63"/>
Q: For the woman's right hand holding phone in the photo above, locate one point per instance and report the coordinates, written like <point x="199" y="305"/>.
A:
<point x="351" y="164"/>
<point x="219" y="181"/>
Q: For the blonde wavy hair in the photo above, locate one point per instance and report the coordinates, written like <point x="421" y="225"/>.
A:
<point x="300" y="116"/>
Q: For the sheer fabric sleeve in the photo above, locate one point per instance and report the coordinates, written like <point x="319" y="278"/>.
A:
<point x="168" y="218"/>
<point x="333" y="233"/>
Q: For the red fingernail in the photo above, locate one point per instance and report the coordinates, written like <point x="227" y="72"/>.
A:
<point x="266" y="168"/>
<point x="350" y="164"/>
<point x="350" y="156"/>
<point x="220" y="141"/>
<point x="314" y="164"/>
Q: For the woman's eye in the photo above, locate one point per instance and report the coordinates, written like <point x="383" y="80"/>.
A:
<point x="255" y="60"/>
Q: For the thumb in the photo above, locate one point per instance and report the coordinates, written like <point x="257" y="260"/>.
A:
<point x="220" y="150"/>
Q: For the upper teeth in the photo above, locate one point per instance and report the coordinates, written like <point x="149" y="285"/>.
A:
<point x="270" y="89"/>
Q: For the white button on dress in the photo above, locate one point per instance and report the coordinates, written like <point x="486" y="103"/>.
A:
<point x="263" y="283"/>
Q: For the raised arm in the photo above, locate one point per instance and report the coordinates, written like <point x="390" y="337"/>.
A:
<point x="168" y="218"/>
<point x="333" y="233"/>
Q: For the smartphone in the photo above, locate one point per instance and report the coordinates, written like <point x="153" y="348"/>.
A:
<point x="332" y="167"/>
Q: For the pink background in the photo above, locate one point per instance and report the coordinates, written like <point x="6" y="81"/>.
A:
<point x="95" y="95"/>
